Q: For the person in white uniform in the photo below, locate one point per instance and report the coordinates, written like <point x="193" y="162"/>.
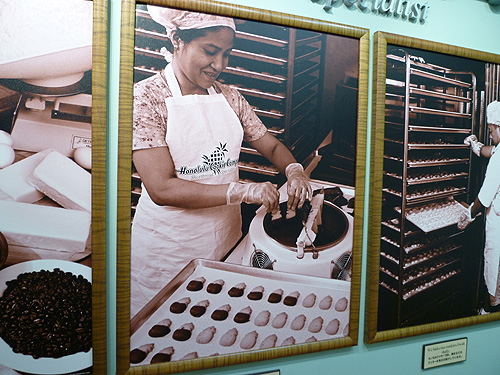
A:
<point x="489" y="199"/>
<point x="188" y="130"/>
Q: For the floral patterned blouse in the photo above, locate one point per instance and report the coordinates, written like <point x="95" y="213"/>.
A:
<point x="150" y="112"/>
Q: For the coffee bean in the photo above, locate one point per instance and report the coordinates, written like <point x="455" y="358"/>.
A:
<point x="44" y="310"/>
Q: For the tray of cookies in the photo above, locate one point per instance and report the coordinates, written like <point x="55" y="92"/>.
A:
<point x="214" y="308"/>
<point x="436" y="215"/>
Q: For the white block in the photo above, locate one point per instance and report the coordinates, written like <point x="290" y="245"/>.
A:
<point x="63" y="181"/>
<point x="18" y="254"/>
<point x="14" y="183"/>
<point x="44" y="227"/>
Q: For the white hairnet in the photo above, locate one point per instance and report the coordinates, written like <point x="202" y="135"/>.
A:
<point x="493" y="113"/>
<point x="172" y="19"/>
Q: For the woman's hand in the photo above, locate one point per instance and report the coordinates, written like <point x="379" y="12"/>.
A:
<point x="474" y="144"/>
<point x="464" y="220"/>
<point x="263" y="193"/>
<point x="298" y="186"/>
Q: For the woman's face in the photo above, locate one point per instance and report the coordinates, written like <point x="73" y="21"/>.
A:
<point x="494" y="133"/>
<point x="198" y="63"/>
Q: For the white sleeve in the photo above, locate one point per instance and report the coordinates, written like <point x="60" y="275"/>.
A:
<point x="491" y="183"/>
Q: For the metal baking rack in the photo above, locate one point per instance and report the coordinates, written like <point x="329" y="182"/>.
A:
<point x="430" y="110"/>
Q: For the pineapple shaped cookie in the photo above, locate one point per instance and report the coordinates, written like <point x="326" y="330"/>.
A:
<point x="214" y="161"/>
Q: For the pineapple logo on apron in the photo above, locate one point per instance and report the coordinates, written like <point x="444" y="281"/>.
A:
<point x="213" y="164"/>
<point x="215" y="158"/>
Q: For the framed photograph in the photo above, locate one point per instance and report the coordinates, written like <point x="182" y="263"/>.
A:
<point x="267" y="284"/>
<point x="53" y="73"/>
<point x="427" y="255"/>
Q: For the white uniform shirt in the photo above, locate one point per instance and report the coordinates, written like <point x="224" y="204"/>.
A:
<point x="489" y="195"/>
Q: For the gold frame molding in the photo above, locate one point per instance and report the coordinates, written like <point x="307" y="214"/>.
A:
<point x="124" y="185"/>
<point x="381" y="41"/>
<point x="99" y="121"/>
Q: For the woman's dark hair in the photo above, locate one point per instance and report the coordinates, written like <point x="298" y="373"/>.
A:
<point x="189" y="35"/>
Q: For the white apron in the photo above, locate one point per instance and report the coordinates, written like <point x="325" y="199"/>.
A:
<point x="492" y="251"/>
<point x="204" y="137"/>
<point x="489" y="195"/>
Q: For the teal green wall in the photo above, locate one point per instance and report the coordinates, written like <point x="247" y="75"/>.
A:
<point x="467" y="23"/>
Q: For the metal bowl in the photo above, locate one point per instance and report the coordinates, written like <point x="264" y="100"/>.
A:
<point x="285" y="231"/>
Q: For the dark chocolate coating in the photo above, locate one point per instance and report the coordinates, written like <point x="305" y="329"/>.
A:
<point x="182" y="334"/>
<point x="235" y="292"/>
<point x="137" y="356"/>
<point x="290" y="301"/>
<point x="220" y="315"/>
<point x="274" y="298"/>
<point x="159" y="330"/>
<point x="194" y="285"/>
<point x="214" y="288"/>
<point x="255" y="296"/>
<point x="241" y="317"/>
<point x="198" y="311"/>
<point x="178" y="307"/>
<point x="161" y="357"/>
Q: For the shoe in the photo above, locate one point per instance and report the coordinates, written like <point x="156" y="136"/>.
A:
<point x="482" y="311"/>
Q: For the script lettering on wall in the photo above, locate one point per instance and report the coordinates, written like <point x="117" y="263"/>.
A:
<point x="408" y="10"/>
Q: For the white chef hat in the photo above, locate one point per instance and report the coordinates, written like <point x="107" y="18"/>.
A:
<point x="493" y="113"/>
<point x="172" y="19"/>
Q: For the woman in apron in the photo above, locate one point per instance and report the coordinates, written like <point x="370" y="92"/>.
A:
<point x="187" y="134"/>
<point x="489" y="199"/>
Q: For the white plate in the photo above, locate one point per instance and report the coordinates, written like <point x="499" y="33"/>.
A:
<point x="26" y="363"/>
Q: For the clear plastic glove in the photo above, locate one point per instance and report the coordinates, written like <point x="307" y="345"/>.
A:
<point x="465" y="219"/>
<point x="263" y="193"/>
<point x="475" y="145"/>
<point x="298" y="186"/>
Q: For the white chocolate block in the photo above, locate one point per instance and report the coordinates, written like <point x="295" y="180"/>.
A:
<point x="63" y="181"/>
<point x="14" y="185"/>
<point x="44" y="227"/>
<point x="18" y="254"/>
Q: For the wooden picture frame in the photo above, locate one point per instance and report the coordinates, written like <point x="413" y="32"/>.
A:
<point x="391" y="289"/>
<point x="99" y="183"/>
<point x="360" y="36"/>
<point x="82" y="107"/>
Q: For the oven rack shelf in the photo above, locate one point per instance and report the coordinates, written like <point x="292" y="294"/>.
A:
<point x="424" y="257"/>
<point x="393" y="248"/>
<point x="256" y="168"/>
<point x="395" y="88"/>
<point x="431" y="111"/>
<point x="267" y="40"/>
<point x="429" y="163"/>
<point x="260" y="94"/>
<point x="438" y="78"/>
<point x="427" y="128"/>
<point x="150" y="34"/>
<point x="427" y="146"/>
<point x="415" y="61"/>
<point x="258" y="57"/>
<point x="427" y="180"/>
<point x="422" y="289"/>
<point x="416" y="276"/>
<point x="396" y="229"/>
<point x="430" y="197"/>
